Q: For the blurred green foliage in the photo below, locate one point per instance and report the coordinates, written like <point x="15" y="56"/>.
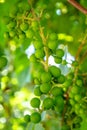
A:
<point x="16" y="84"/>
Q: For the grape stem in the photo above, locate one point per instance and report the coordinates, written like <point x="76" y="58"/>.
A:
<point x="78" y="6"/>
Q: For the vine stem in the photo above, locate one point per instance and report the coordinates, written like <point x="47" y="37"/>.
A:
<point x="80" y="47"/>
<point x="78" y="6"/>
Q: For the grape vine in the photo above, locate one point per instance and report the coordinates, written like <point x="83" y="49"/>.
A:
<point x="65" y="96"/>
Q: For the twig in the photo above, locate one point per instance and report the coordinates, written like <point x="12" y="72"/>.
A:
<point x="78" y="6"/>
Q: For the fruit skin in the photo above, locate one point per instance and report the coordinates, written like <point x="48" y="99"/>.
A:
<point x="46" y="77"/>
<point x="38" y="44"/>
<point x="35" y="102"/>
<point x="35" y="117"/>
<point x="60" y="53"/>
<point x="37" y="91"/>
<point x="61" y="79"/>
<point x="52" y="44"/>
<point x="29" y="34"/>
<point x="55" y="71"/>
<point x="57" y="60"/>
<point x="53" y="36"/>
<point x="59" y="103"/>
<point x="56" y="91"/>
<point x="48" y="103"/>
<point x="24" y="26"/>
<point x="39" y="53"/>
<point x="45" y="88"/>
<point x="27" y="118"/>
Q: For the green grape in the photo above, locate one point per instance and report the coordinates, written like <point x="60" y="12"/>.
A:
<point x="72" y="102"/>
<point x="77" y="97"/>
<point x="57" y="60"/>
<point x="79" y="82"/>
<point x="46" y="77"/>
<point x="59" y="53"/>
<point x="22" y="36"/>
<point x="53" y="36"/>
<point x="37" y="91"/>
<point x="6" y="35"/>
<point x="56" y="91"/>
<point x="38" y="44"/>
<point x="59" y="103"/>
<point x="75" y="89"/>
<point x="53" y="44"/>
<point x="67" y="83"/>
<point x="29" y="33"/>
<point x="3" y="62"/>
<point x="27" y="118"/>
<point x="11" y="25"/>
<point x="55" y="71"/>
<point x="64" y="62"/>
<point x="12" y="33"/>
<point x="37" y="74"/>
<point x="48" y="103"/>
<point x="45" y="88"/>
<point x="37" y="81"/>
<point x="75" y="63"/>
<point x="35" y="117"/>
<point x="61" y="79"/>
<point x="35" y="25"/>
<point x="39" y="53"/>
<point x="33" y="58"/>
<point x="35" y="102"/>
<point x="24" y="26"/>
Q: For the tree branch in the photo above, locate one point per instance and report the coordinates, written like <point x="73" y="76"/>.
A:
<point x="78" y="6"/>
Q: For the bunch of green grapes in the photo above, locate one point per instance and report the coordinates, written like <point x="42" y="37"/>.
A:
<point x="54" y="91"/>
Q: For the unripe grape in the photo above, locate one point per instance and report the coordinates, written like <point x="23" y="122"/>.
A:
<point x="79" y="82"/>
<point x="53" y="44"/>
<point x="37" y="81"/>
<point x="35" y="117"/>
<point x="22" y="36"/>
<point x="38" y="44"/>
<point x="45" y="88"/>
<point x="35" y="102"/>
<point x="27" y="118"/>
<point x="39" y="53"/>
<point x="33" y="58"/>
<point x="75" y="89"/>
<point x="77" y="97"/>
<point x="53" y="36"/>
<point x="29" y="33"/>
<point x="57" y="60"/>
<point x="37" y="91"/>
<point x="55" y="71"/>
<point x="46" y="77"/>
<point x="60" y="53"/>
<point x="34" y="25"/>
<point x="3" y="62"/>
<point x="56" y="91"/>
<point x="59" y="103"/>
<point x="48" y="103"/>
<point x="61" y="79"/>
<point x="11" y="25"/>
<point x="6" y="35"/>
<point x="75" y="63"/>
<point x="24" y="26"/>
<point x="12" y="33"/>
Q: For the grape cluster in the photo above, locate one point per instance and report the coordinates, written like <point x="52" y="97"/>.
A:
<point x="62" y="94"/>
